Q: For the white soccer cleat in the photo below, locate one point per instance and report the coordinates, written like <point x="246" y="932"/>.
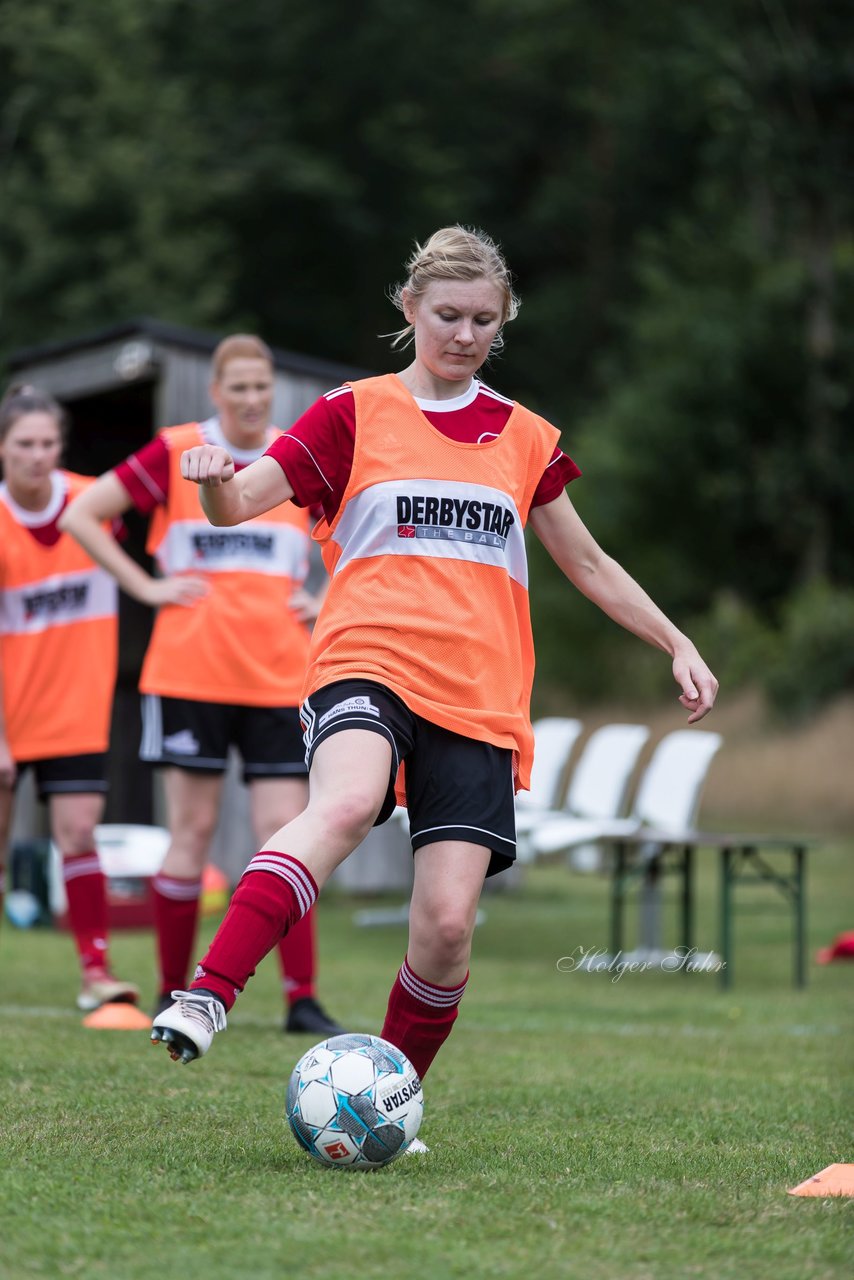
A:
<point x="417" y="1148"/>
<point x="100" y="987"/>
<point x="188" y="1026"/>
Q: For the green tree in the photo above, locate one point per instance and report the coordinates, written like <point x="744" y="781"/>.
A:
<point x="104" y="201"/>
<point x="718" y="442"/>
<point x="721" y="449"/>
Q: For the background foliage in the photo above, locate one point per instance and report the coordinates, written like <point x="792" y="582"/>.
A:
<point x="673" y="189"/>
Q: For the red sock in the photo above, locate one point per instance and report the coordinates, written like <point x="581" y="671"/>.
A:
<point x="87" y="907"/>
<point x="297" y="957"/>
<point x="176" y="915"/>
<point x="274" y="892"/>
<point x="420" y="1016"/>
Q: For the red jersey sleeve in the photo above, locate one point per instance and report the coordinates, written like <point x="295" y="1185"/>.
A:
<point x="316" y="453"/>
<point x="557" y="475"/>
<point x="145" y="475"/>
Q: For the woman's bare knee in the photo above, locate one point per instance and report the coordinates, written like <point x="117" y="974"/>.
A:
<point x="445" y="936"/>
<point x="192" y="806"/>
<point x="348" y="780"/>
<point x="73" y="837"/>
<point x="192" y="835"/>
<point x="73" y="819"/>
<point x="349" y="816"/>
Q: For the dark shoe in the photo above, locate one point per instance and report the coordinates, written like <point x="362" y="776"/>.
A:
<point x="163" y="1002"/>
<point x="308" y="1015"/>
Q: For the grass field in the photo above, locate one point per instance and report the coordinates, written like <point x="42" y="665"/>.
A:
<point x="580" y="1126"/>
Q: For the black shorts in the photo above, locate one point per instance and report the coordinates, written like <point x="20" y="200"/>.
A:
<point x="456" y="788"/>
<point x="67" y="775"/>
<point x="185" y="734"/>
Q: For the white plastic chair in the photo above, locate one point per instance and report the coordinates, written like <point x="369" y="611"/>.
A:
<point x="600" y="781"/>
<point x="554" y="738"/>
<point x="669" y="793"/>
<point x="667" y="799"/>
<point x="599" y="785"/>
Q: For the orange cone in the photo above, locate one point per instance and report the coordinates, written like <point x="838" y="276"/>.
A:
<point x="117" y="1017"/>
<point x="835" y="1180"/>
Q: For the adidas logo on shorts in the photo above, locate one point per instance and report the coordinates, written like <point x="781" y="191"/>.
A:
<point x="184" y="743"/>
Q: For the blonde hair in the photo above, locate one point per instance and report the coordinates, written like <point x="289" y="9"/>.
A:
<point x="456" y="253"/>
<point x="239" y="346"/>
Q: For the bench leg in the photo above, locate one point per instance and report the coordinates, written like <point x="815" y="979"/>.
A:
<point x="618" y="882"/>
<point x="800" y="905"/>
<point x="687" y="900"/>
<point x="726" y="918"/>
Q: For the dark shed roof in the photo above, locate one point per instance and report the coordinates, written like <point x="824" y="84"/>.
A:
<point x="179" y="336"/>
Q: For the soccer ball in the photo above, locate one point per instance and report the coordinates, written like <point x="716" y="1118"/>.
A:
<point x="354" y="1101"/>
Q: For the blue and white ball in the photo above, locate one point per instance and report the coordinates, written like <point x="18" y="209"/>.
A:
<point x="354" y="1101"/>
<point x="23" y="908"/>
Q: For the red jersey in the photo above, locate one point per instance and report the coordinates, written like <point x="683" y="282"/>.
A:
<point x="316" y="453"/>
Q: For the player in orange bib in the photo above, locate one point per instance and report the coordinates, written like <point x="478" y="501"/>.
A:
<point x="58" y="646"/>
<point x="421" y="663"/>
<point x="227" y="655"/>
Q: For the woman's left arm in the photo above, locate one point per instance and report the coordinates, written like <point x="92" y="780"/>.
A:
<point x="577" y="554"/>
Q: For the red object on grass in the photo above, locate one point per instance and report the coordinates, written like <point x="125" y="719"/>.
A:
<point x="842" y="948"/>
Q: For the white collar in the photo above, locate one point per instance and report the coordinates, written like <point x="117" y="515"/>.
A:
<point x="448" y="406"/>
<point x="48" y="513"/>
